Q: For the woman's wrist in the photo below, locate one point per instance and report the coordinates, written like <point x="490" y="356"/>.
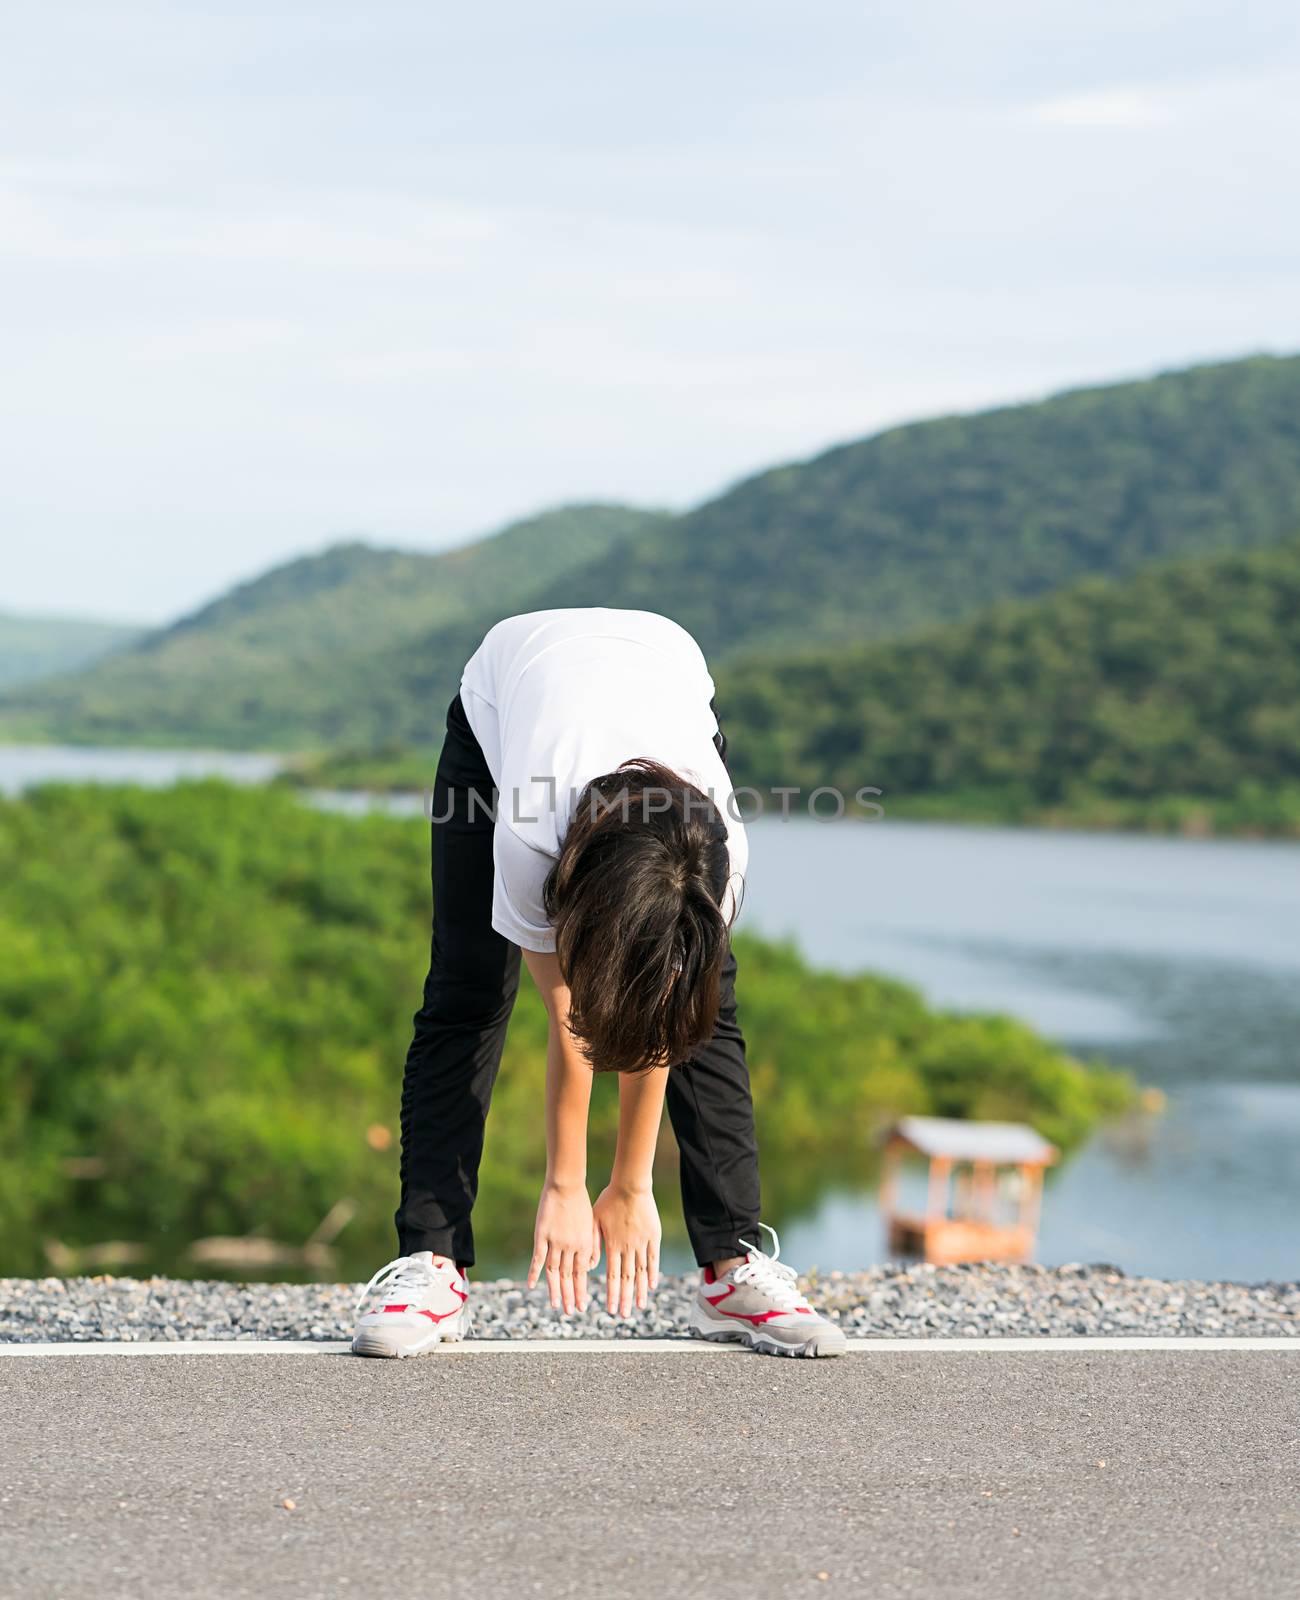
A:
<point x="565" y="1183"/>
<point x="630" y="1183"/>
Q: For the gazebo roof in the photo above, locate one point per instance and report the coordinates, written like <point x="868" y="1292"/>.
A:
<point x="948" y="1138"/>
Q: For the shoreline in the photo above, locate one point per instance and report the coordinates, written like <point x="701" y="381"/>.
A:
<point x="1166" y="817"/>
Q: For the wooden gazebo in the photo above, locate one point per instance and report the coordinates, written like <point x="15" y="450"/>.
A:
<point x="983" y="1195"/>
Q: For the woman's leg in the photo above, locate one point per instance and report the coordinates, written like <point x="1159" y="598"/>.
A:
<point x="460" y="1029"/>
<point x="712" y="1113"/>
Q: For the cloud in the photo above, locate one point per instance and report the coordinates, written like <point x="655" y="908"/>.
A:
<point x="414" y="274"/>
<point x="1104" y="108"/>
<point x="349" y="232"/>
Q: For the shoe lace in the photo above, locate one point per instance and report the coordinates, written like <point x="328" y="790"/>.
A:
<point x="406" y="1275"/>
<point x="774" y="1278"/>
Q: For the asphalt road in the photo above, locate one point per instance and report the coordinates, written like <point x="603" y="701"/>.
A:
<point x="1108" y="1474"/>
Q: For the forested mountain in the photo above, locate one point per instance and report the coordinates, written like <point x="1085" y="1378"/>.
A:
<point x="38" y="647"/>
<point x="940" y="519"/>
<point x="1181" y="681"/>
<point x="933" y="522"/>
<point x="285" y="658"/>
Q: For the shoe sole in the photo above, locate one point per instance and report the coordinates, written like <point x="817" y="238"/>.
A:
<point x="372" y="1342"/>
<point x="704" y="1328"/>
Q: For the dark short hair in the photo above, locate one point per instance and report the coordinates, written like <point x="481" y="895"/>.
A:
<point x="636" y="900"/>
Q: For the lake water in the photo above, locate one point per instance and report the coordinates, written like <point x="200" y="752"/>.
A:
<point x="1178" y="958"/>
<point x="22" y="765"/>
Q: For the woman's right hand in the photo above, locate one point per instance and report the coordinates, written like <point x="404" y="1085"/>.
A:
<point x="566" y="1245"/>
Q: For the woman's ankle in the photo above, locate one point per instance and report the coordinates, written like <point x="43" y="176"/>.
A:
<point x="721" y="1268"/>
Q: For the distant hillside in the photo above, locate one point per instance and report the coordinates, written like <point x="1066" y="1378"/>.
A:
<point x="922" y="523"/>
<point x="940" y="519"/>
<point x="38" y="647"/>
<point x="928" y="523"/>
<point x="281" y="659"/>
<point x="1181" y="681"/>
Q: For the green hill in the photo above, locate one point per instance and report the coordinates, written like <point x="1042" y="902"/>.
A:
<point x="38" y="647"/>
<point x="939" y="519"/>
<point x="933" y="521"/>
<point x="285" y="657"/>
<point x="928" y="523"/>
<point x="1178" y="688"/>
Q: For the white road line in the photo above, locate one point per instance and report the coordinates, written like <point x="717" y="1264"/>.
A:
<point x="639" y="1347"/>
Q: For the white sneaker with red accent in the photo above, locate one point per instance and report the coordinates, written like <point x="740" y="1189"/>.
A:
<point x="424" y="1303"/>
<point x="759" y="1303"/>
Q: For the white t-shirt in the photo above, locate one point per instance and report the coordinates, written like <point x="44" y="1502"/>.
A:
<point x="557" y="698"/>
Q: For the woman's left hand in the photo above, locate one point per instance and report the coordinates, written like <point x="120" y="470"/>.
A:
<point x="628" y="1223"/>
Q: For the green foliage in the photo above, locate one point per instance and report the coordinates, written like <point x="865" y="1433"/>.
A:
<point x="392" y="768"/>
<point x="1106" y="702"/>
<point x="1255" y="810"/>
<point x="205" y="1001"/>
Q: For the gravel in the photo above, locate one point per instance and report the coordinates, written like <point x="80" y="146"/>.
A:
<point x="889" y="1301"/>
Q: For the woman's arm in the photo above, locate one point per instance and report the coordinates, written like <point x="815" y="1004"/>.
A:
<point x="626" y="1214"/>
<point x="565" y="1242"/>
<point x="640" y="1111"/>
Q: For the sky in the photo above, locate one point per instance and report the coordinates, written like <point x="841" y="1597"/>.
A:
<point x="275" y="275"/>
